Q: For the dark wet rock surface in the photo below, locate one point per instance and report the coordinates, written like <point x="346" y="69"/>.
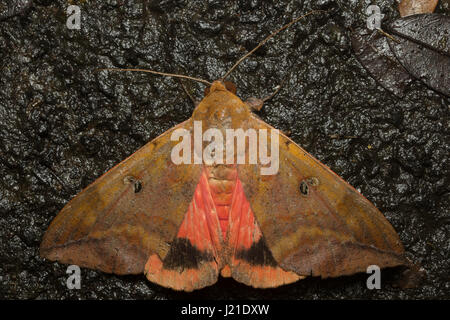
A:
<point x="62" y="125"/>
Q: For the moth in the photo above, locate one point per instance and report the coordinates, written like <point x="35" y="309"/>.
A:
<point x="184" y="224"/>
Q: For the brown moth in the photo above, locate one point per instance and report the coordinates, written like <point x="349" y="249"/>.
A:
<point x="184" y="223"/>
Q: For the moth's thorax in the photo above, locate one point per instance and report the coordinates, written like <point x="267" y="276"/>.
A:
<point x="221" y="109"/>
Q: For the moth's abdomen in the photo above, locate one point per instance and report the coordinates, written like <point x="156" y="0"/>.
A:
<point x="222" y="181"/>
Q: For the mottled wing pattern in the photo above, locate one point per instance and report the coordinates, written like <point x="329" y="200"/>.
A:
<point x="313" y="222"/>
<point x="131" y="212"/>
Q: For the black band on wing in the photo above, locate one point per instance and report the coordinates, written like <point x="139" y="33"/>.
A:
<point x="258" y="254"/>
<point x="183" y="255"/>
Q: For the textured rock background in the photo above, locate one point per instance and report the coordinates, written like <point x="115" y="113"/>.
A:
<point x="62" y="125"/>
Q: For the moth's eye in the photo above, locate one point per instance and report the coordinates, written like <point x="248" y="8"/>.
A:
<point x="304" y="188"/>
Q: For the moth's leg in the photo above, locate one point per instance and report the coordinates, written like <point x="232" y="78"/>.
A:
<point x="194" y="101"/>
<point x="256" y="103"/>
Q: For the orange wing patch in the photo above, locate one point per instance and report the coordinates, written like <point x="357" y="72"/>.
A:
<point x="252" y="262"/>
<point x="219" y="233"/>
<point x="193" y="260"/>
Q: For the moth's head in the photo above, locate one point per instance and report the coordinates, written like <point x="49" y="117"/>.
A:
<point x="221" y="106"/>
<point x="219" y="84"/>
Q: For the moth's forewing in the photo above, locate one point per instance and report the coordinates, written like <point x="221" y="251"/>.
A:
<point x="315" y="223"/>
<point x="132" y="211"/>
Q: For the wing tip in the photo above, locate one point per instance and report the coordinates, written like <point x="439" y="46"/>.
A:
<point x="356" y="258"/>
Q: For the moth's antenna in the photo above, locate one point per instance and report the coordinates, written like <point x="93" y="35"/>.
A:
<point x="267" y="39"/>
<point x="174" y="75"/>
